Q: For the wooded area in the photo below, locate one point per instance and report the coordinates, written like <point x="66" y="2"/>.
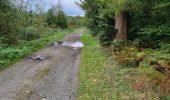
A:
<point x="136" y="33"/>
<point x="143" y="17"/>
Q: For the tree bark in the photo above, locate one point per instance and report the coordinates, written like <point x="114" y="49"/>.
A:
<point x="121" y="26"/>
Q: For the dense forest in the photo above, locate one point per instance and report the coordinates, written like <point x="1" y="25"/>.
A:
<point x="136" y="33"/>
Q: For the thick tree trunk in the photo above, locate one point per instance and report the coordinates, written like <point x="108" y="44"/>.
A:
<point x="121" y="26"/>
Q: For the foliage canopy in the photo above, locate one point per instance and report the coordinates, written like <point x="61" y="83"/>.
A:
<point x="144" y="16"/>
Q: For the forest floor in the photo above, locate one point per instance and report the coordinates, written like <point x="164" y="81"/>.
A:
<point x="49" y="74"/>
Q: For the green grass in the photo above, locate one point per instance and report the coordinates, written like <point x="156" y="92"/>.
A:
<point x="12" y="54"/>
<point x="101" y="78"/>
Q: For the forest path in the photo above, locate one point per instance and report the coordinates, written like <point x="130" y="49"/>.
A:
<point x="49" y="74"/>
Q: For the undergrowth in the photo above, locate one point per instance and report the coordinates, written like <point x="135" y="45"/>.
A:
<point x="106" y="77"/>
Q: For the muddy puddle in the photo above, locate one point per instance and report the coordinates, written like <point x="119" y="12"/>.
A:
<point x="77" y="44"/>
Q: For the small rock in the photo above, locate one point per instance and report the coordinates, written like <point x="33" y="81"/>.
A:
<point x="39" y="57"/>
<point x="28" y="91"/>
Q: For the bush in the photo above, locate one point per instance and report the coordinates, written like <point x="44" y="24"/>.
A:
<point x="128" y="57"/>
<point x="165" y="47"/>
<point x="13" y="20"/>
<point x="106" y="34"/>
<point x="75" y="21"/>
<point x="118" y="45"/>
<point x="158" y="60"/>
<point x="153" y="30"/>
<point x="30" y="33"/>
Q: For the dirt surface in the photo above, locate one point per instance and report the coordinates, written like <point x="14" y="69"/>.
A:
<point x="52" y="78"/>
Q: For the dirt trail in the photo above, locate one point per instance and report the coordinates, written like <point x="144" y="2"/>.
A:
<point x="54" y="77"/>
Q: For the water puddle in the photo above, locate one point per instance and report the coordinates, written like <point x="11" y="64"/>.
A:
<point x="77" y="45"/>
<point x="69" y="44"/>
<point x="73" y="44"/>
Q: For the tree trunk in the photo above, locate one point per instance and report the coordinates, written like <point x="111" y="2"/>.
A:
<point x="121" y="26"/>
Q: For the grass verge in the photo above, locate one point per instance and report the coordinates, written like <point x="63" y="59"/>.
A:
<point x="12" y="54"/>
<point x="101" y="78"/>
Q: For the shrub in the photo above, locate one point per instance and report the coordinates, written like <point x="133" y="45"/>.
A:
<point x="119" y="45"/>
<point x="30" y="33"/>
<point x="13" y="20"/>
<point x="128" y="57"/>
<point x="153" y="30"/>
<point x="106" y="35"/>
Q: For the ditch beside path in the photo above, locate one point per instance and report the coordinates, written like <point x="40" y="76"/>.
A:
<point x="49" y="74"/>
